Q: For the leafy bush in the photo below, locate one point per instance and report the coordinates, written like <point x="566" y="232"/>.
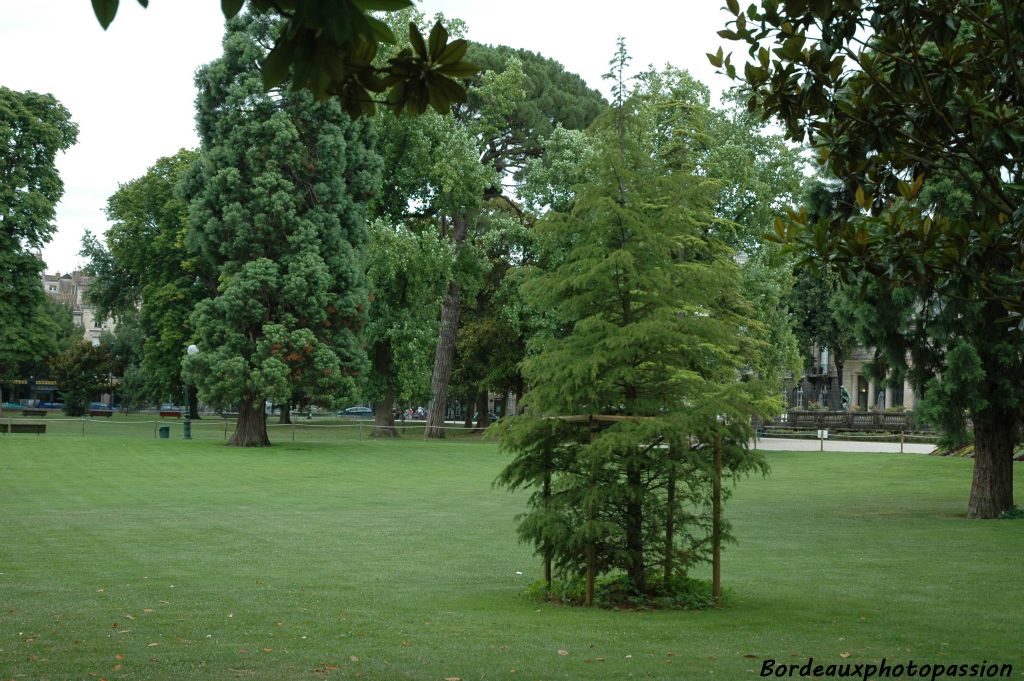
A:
<point x="1012" y="514"/>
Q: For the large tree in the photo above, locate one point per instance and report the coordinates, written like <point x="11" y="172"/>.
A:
<point x="895" y="96"/>
<point x="277" y="213"/>
<point x="652" y="332"/>
<point x="81" y="371"/>
<point x="34" y="128"/>
<point x="408" y="272"/>
<point x="518" y="101"/>
<point x="144" y="273"/>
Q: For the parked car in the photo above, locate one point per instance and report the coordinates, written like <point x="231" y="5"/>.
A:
<point x="99" y="406"/>
<point x="358" y="412"/>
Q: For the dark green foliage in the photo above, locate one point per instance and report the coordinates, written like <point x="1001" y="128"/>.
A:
<point x="328" y="47"/>
<point x="408" y="272"/>
<point x="81" y="371"/>
<point x="33" y="129"/>
<point x="682" y="593"/>
<point x="276" y="212"/>
<point x="552" y="97"/>
<point x="146" y="279"/>
<point x="916" y="108"/>
<point x="650" y="331"/>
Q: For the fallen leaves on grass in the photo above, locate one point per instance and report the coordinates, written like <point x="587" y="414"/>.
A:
<point x="563" y="652"/>
<point x="353" y="658"/>
<point x="844" y="655"/>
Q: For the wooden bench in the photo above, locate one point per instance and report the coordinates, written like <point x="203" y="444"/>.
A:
<point x="170" y="414"/>
<point x="37" y="428"/>
<point x="33" y="412"/>
<point x="101" y="412"/>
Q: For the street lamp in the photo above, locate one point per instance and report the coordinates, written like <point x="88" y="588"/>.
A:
<point x="191" y="350"/>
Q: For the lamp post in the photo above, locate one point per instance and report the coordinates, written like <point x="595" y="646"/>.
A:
<point x="191" y="350"/>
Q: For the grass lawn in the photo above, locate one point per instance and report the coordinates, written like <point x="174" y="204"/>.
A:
<point x="153" y="559"/>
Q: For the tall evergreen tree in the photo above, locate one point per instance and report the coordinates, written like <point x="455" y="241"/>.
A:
<point x="653" y="336"/>
<point x="276" y="210"/>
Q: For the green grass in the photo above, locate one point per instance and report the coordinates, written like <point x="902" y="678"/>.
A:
<point x="151" y="559"/>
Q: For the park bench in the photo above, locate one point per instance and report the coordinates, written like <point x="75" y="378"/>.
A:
<point x="37" y="428"/>
<point x="33" y="412"/>
<point x="167" y="413"/>
<point x="101" y="412"/>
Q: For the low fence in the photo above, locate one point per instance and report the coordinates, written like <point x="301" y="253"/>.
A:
<point x="210" y="428"/>
<point x="857" y="421"/>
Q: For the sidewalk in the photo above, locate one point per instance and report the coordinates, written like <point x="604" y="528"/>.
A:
<point x="777" y="444"/>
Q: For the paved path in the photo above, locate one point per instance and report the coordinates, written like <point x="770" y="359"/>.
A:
<point x="792" y="445"/>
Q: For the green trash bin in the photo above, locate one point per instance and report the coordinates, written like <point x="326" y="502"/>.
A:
<point x="165" y="432"/>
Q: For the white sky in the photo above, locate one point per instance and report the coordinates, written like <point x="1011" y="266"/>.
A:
<point x="130" y="88"/>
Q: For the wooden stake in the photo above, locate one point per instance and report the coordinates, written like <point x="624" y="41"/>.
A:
<point x="716" y="525"/>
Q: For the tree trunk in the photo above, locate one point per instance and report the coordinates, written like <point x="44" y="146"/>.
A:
<point x="483" y="416"/>
<point x="992" y="488"/>
<point x="286" y="414"/>
<point x="670" y="522"/>
<point x="635" y="525"/>
<point x="467" y="413"/>
<point x="546" y="503"/>
<point x="384" y="409"/>
<point x="251" y="429"/>
<point x="503" y="405"/>
<point x="520" y="389"/>
<point x="193" y="403"/>
<point x="448" y="332"/>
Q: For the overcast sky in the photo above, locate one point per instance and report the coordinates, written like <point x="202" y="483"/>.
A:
<point x="130" y="88"/>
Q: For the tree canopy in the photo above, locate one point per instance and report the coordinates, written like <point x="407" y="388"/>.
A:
<point x="899" y="99"/>
<point x="144" y="274"/>
<point x="34" y="128"/>
<point x="277" y="212"/>
<point x="651" y="331"/>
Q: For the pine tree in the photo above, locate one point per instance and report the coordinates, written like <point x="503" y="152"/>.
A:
<point x="276" y="212"/>
<point x="653" y="335"/>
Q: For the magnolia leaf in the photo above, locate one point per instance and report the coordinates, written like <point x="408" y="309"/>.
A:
<point x="462" y="69"/>
<point x="455" y="51"/>
<point x="417" y="41"/>
<point x="231" y="7"/>
<point x="275" y="66"/>
<point x="437" y="41"/>
<point x="105" y="11"/>
<point x="382" y="5"/>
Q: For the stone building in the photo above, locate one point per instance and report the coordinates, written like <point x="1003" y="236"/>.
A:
<point x="70" y="289"/>
<point x="859" y="390"/>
